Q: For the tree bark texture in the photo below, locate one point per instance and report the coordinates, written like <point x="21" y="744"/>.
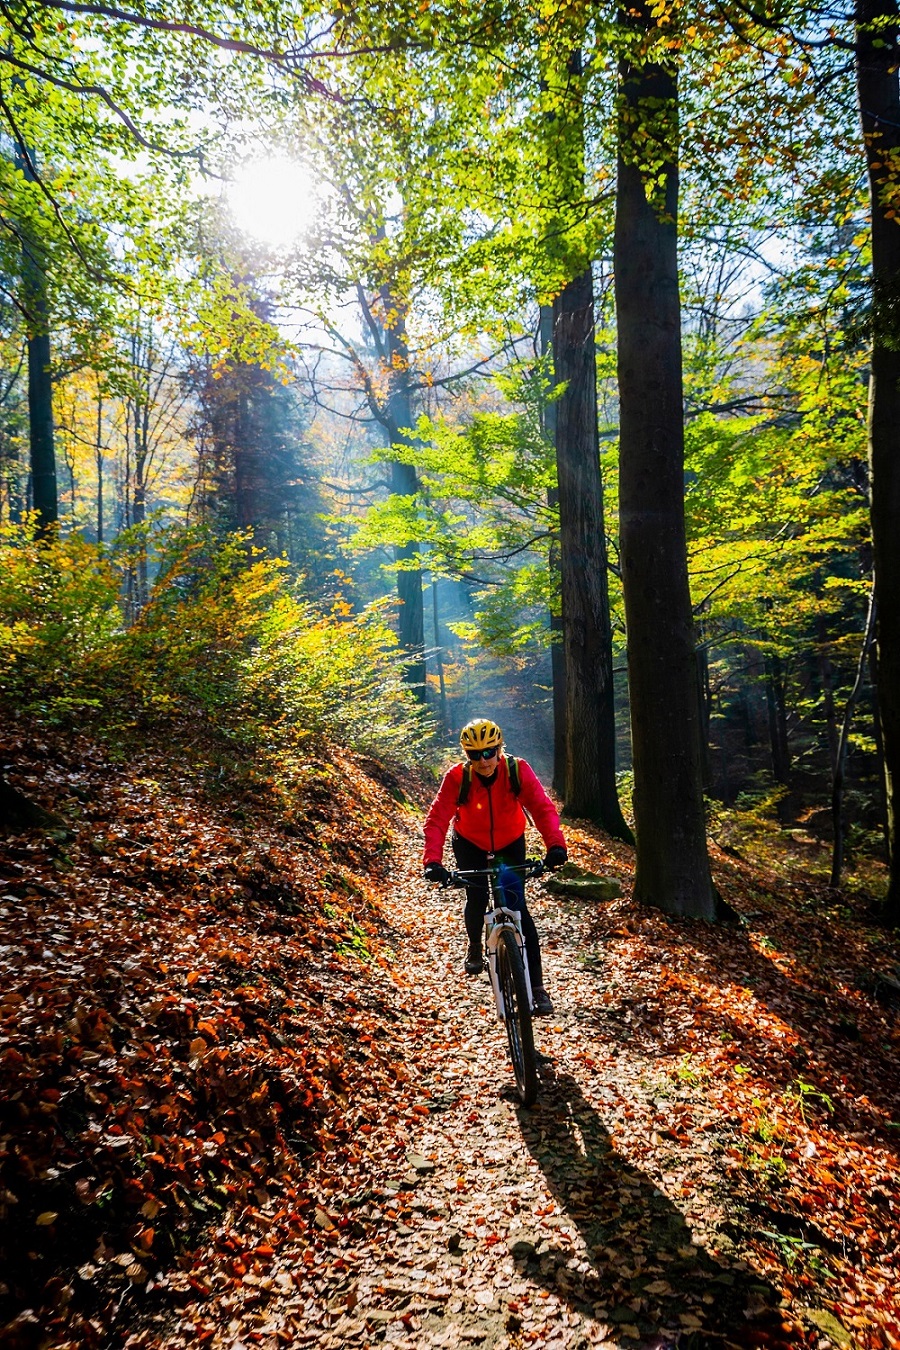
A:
<point x="672" y="865"/>
<point x="590" y="790"/>
<point x="40" y="383"/>
<point x="878" y="85"/>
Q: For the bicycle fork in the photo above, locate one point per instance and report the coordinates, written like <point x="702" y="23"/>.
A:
<point x="508" y="922"/>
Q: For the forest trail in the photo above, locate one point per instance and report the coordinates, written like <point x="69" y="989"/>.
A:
<point x="496" y="1226"/>
<point x="250" y="1099"/>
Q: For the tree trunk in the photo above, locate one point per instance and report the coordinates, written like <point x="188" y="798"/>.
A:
<point x="99" y="454"/>
<point x="704" y="697"/>
<point x="557" y="648"/>
<point x="587" y="636"/>
<point x="40" y="385"/>
<point x="879" y="748"/>
<point x="404" y="483"/>
<point x="878" y="87"/>
<point x="826" y="675"/>
<point x="840" y="759"/>
<point x="777" y="713"/>
<point x="672" y="865"/>
<point x="438" y="651"/>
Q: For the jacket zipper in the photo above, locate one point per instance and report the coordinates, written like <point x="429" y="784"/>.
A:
<point x="490" y="812"/>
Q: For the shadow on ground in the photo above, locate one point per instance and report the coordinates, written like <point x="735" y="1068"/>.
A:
<point x="645" y="1275"/>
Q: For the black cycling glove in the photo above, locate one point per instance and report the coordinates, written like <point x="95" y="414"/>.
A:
<point x="436" y="872"/>
<point x="556" y="856"/>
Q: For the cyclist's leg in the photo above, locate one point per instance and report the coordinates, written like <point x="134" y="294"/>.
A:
<point x="470" y="858"/>
<point x="533" y="949"/>
<point x="514" y="854"/>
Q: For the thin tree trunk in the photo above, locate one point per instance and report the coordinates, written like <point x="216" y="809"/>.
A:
<point x="142" y="450"/>
<point x="672" y="865"/>
<point x="404" y="483"/>
<point x="777" y="713"/>
<point x="840" y="761"/>
<point x="826" y="674"/>
<point x="40" y="384"/>
<point x="590" y="709"/>
<point x="557" y="646"/>
<point x="879" y="747"/>
<point x="878" y="85"/>
<point x="126" y="473"/>
<point x="438" y="651"/>
<point x="704" y="696"/>
<point x="99" y="453"/>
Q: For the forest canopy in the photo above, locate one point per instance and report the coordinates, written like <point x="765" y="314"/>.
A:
<point x="364" y="368"/>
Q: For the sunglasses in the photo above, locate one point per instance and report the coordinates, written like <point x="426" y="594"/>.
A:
<point x="489" y="753"/>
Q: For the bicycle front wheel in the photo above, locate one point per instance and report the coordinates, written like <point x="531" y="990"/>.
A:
<point x="517" y="1015"/>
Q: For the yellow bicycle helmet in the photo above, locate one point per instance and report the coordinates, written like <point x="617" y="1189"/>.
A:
<point x="480" y="734"/>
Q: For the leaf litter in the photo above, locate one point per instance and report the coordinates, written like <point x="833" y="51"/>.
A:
<point x="249" y="1098"/>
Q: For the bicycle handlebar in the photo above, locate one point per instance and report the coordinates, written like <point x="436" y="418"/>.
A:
<point x="532" y="867"/>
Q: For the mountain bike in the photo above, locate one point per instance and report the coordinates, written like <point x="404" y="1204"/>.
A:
<point x="507" y="964"/>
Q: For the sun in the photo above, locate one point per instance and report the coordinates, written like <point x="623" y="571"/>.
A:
<point x="274" y="200"/>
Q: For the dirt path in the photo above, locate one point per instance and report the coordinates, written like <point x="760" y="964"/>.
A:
<point x="252" y="1100"/>
<point x="498" y="1227"/>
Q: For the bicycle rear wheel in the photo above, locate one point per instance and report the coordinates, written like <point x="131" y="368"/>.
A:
<point x="517" y="1014"/>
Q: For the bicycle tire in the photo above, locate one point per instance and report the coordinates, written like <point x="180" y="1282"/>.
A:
<point x="517" y="1016"/>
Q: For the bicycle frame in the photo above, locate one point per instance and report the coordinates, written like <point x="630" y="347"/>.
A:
<point x="500" y="917"/>
<point x="507" y="963"/>
<point x="495" y="921"/>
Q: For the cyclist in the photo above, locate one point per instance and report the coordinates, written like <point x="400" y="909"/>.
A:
<point x="487" y="799"/>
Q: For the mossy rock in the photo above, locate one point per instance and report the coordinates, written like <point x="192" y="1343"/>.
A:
<point x="573" y="880"/>
<point x="827" y="1322"/>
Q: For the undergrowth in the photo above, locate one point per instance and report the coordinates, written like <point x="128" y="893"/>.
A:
<point x="226" y="637"/>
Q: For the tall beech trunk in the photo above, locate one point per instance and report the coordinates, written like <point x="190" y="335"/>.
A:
<point x="878" y="86"/>
<point x="672" y="865"/>
<point x="404" y="483"/>
<point x="557" y="649"/>
<point x="590" y="712"/>
<point x="44" y="495"/>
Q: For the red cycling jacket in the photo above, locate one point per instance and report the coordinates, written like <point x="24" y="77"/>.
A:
<point x="490" y="817"/>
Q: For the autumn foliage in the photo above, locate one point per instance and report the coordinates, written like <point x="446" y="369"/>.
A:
<point x="224" y="1027"/>
<point x="191" y="1010"/>
<point x="227" y="639"/>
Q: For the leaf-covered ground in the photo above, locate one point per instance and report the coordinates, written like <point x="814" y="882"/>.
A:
<point x="248" y="1097"/>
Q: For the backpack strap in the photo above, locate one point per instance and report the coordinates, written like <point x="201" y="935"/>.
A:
<point x="515" y="781"/>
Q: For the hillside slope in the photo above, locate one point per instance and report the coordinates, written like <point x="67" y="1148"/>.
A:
<point x="194" y="1000"/>
<point x="249" y="1098"/>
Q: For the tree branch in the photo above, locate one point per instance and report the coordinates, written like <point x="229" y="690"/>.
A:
<point x="287" y="59"/>
<point x="99" y="92"/>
